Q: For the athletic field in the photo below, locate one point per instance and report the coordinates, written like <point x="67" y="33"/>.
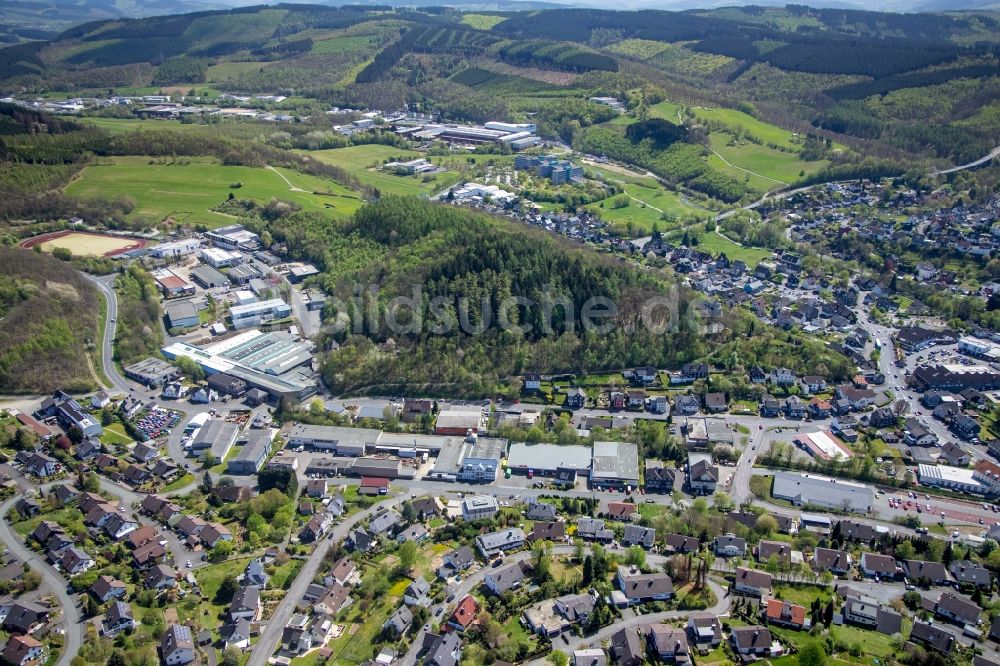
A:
<point x="83" y="244"/>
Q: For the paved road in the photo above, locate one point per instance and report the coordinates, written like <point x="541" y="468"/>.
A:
<point x="72" y="618"/>
<point x="971" y="165"/>
<point x="106" y="286"/>
<point x="721" y="607"/>
<point x="272" y="631"/>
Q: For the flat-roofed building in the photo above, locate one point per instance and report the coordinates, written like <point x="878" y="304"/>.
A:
<point x="252" y="455"/>
<point x="804" y="489"/>
<point x="480" y="507"/>
<point x="219" y="258"/>
<point x="215" y="437"/>
<point x="548" y="459"/>
<point x="255" y="314"/>
<point x="171" y="284"/>
<point x="175" y="248"/>
<point x="459" y="421"/>
<point x="482" y="460"/>
<point x="353" y="442"/>
<point x="152" y="372"/>
<point x="615" y="465"/>
<point x="383" y="468"/>
<point x="182" y="315"/>
<point x="208" y="277"/>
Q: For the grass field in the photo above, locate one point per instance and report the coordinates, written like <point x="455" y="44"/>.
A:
<point x="361" y="160"/>
<point x="187" y="192"/>
<point x="716" y="243"/>
<point x="347" y="44"/>
<point x="115" y="434"/>
<point x="225" y="70"/>
<point x="482" y="21"/>
<point x="119" y="125"/>
<point x="645" y="190"/>
<point x="770" y="168"/>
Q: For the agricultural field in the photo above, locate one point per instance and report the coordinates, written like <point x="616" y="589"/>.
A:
<point x="226" y="70"/>
<point x="362" y="163"/>
<point x="187" y="191"/>
<point x="715" y="243"/>
<point x="345" y="44"/>
<point x="649" y="203"/>
<point x="767" y="168"/>
<point x="122" y="125"/>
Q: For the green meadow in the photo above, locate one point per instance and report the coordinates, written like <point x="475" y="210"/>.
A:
<point x="187" y="191"/>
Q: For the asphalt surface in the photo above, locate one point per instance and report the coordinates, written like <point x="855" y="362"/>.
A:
<point x="273" y="627"/>
<point x="105" y="285"/>
<point x="72" y="617"/>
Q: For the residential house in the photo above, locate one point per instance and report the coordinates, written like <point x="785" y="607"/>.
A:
<point x="812" y="384"/>
<point x="118" y="619"/>
<point x="686" y="405"/>
<point x="215" y="533"/>
<point x="668" y="643"/>
<point x="74" y="561"/>
<point x="705" y="630"/>
<point x="236" y="635"/>
<point x="23" y="650"/>
<point x="715" y="403"/>
<point x="255" y="575"/>
<point x="626" y="648"/>
<point x="399" y="622"/>
<point x="878" y="566"/>
<point x="548" y="531"/>
<point x="729" y="545"/>
<point x="160" y="577"/>
<point x="106" y="588"/>
<point x="494" y="543"/>
<point x="442" y="649"/>
<point x="970" y="573"/>
<point x="592" y="529"/>
<point x="752" y="641"/>
<point x="177" y="645"/>
<point x="703" y="474"/>
<point x="507" y="578"/>
<point x="541" y="511"/>
<point x="316" y="527"/>
<point x="621" y="511"/>
<point x="678" y="543"/>
<point x="752" y="582"/>
<point x="932" y="637"/>
<point x="659" y="479"/>
<point x="456" y="561"/>
<point x="959" y="609"/>
<point x="635" y="535"/>
<point x="245" y="604"/>
<point x="835" y="561"/>
<point x="418" y="593"/>
<point x="934" y="572"/>
<point x="464" y="614"/>
<point x="786" y="614"/>
<point x="639" y="587"/>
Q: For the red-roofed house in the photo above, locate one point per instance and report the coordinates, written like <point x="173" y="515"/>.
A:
<point x="373" y="485"/>
<point x="464" y="614"/>
<point x="785" y="613"/>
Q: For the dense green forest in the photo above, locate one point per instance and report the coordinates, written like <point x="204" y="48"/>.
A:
<point x="465" y="267"/>
<point x="49" y="316"/>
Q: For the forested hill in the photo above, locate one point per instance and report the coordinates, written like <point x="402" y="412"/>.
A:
<point x="450" y="255"/>
<point x="49" y="316"/>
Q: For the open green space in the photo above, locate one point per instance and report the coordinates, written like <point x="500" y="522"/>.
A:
<point x="121" y="125"/>
<point x="115" y="434"/>
<point x="363" y="161"/>
<point x="187" y="191"/>
<point x="225" y="70"/>
<point x="715" y="243"/>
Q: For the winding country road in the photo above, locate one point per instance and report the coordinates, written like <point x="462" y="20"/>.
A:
<point x="105" y="284"/>
<point x="72" y="617"/>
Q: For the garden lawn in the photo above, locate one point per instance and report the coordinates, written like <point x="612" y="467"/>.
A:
<point x="285" y="574"/>
<point x="114" y="434"/>
<point x="187" y="192"/>
<point x="362" y="162"/>
<point x="803" y="595"/>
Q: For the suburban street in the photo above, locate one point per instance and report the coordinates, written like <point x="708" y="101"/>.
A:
<point x="72" y="617"/>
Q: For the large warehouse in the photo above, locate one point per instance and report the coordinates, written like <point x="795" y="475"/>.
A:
<point x="548" y="459"/>
<point x="615" y="465"/>
<point x="351" y="442"/>
<point x="254" y="452"/>
<point x="822" y="491"/>
<point x="215" y="437"/>
<point x="271" y="362"/>
<point x="471" y="459"/>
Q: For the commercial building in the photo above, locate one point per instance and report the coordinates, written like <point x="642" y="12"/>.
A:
<point x="823" y="445"/>
<point x="354" y="442"/>
<point x="255" y="314"/>
<point x="271" y="362"/>
<point x="70" y="414"/>
<point x="215" y="437"/>
<point x="381" y="468"/>
<point x="459" y="421"/>
<point x="216" y="257"/>
<point x="481" y="460"/>
<point x="955" y="377"/>
<point x="234" y="237"/>
<point x="152" y="372"/>
<point x="171" y="284"/>
<point x="615" y="465"/>
<point x="253" y="453"/>
<point x="983" y="479"/>
<point x="182" y="315"/>
<point x="531" y="128"/>
<point x="804" y="489"/>
<point x="548" y="459"/>
<point x="208" y="277"/>
<point x="174" y="249"/>
<point x="556" y="170"/>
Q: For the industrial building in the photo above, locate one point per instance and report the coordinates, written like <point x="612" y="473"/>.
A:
<point x="182" y="315"/>
<point x="270" y="362"/>
<point x="215" y="437"/>
<point x="548" y="459"/>
<point x="459" y="421"/>
<point x="615" y="465"/>
<point x="234" y="237"/>
<point x="152" y="372"/>
<point x="253" y="453"/>
<point x="352" y="442"/>
<point x="381" y="468"/>
<point x="174" y="249"/>
<point x="216" y="257"/>
<point x="255" y="314"/>
<point x="171" y="284"/>
<point x="470" y="459"/>
<point x="208" y="277"/>
<point x="803" y="489"/>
